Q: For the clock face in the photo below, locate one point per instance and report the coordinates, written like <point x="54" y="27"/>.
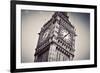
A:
<point x="67" y="38"/>
<point x="65" y="35"/>
<point x="45" y="35"/>
<point x="63" y="32"/>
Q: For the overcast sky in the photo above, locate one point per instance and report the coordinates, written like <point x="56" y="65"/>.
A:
<point x="32" y="21"/>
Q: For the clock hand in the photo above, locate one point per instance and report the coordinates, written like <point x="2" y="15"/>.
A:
<point x="65" y="35"/>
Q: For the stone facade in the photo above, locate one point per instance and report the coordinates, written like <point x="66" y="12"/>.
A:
<point x="56" y="40"/>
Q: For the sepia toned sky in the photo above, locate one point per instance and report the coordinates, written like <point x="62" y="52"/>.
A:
<point x="31" y="23"/>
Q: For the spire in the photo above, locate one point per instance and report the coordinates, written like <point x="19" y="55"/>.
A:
<point x="64" y="13"/>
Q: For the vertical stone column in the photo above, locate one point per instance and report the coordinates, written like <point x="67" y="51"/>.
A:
<point x="52" y="53"/>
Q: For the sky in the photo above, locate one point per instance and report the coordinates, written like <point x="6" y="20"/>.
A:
<point x="31" y="23"/>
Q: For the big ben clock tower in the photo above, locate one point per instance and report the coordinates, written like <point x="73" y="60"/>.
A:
<point x="56" y="40"/>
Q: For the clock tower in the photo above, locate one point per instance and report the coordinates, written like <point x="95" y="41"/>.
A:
<point x="56" y="40"/>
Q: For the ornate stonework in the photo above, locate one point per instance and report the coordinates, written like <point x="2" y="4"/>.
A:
<point x="56" y="40"/>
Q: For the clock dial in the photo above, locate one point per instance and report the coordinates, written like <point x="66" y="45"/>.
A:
<point x="67" y="38"/>
<point x="66" y="35"/>
<point x="45" y="35"/>
<point x="63" y="33"/>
